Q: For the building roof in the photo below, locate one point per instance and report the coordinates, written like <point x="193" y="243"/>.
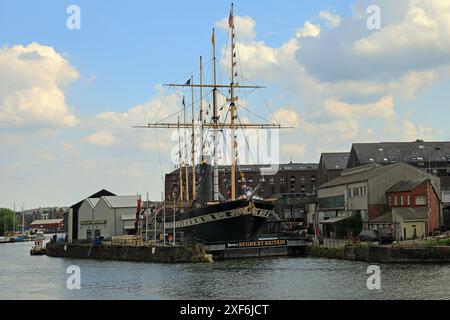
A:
<point x="405" y="186"/>
<point x="412" y="214"/>
<point x="335" y="161"/>
<point x="360" y="174"/>
<point x="49" y="221"/>
<point x="99" y="194"/>
<point x="411" y="152"/>
<point x="383" y="219"/>
<point x="92" y="202"/>
<point x="121" y="201"/>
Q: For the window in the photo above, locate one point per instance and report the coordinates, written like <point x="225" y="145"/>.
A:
<point x="272" y="185"/>
<point x="408" y="200"/>
<point x="89" y="234"/>
<point x="402" y="203"/>
<point x="303" y="180"/>
<point x="421" y="200"/>
<point x="282" y="184"/>
<point x="332" y="202"/>
<point x="390" y="201"/>
<point x="395" y="201"/>
<point x="292" y="184"/>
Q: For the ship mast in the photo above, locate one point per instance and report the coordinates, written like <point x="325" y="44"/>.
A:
<point x="185" y="155"/>
<point x="193" y="145"/>
<point x="216" y="124"/>
<point x="181" y="195"/>
<point x="233" y="108"/>
<point x="201" y="111"/>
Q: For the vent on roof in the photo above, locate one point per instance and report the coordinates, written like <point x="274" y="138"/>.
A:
<point x="421" y="147"/>
<point x="380" y="149"/>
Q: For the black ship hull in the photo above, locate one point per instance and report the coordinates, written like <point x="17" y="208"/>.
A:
<point x="239" y="220"/>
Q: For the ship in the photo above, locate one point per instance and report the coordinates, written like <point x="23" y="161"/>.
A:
<point x="204" y="214"/>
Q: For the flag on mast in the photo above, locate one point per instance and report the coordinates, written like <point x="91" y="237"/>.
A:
<point x="231" y="18"/>
<point x="213" y="40"/>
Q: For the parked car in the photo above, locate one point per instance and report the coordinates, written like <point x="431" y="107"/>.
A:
<point x="368" y="236"/>
<point x="385" y="236"/>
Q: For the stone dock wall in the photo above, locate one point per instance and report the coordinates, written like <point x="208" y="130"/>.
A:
<point x="177" y="254"/>
<point x="382" y="254"/>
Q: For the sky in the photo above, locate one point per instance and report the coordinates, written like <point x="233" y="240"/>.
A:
<point x="70" y="97"/>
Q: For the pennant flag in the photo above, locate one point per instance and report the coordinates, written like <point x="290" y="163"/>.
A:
<point x="213" y="40"/>
<point x="188" y="83"/>
<point x="231" y="19"/>
<point x="184" y="104"/>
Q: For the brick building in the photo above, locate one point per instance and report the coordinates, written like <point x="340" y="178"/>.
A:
<point x="431" y="157"/>
<point x="363" y="190"/>
<point x="413" y="210"/>
<point x="331" y="165"/>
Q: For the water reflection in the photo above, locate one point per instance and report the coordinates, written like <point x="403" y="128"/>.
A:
<point x="39" y="277"/>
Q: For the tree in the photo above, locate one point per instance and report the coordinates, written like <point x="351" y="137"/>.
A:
<point x="354" y="225"/>
<point x="7" y="221"/>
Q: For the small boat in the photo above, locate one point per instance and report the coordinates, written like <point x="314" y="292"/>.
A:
<point x="38" y="248"/>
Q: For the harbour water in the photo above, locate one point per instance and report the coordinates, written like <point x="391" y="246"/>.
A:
<point x="39" y="277"/>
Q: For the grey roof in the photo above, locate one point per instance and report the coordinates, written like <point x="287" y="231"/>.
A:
<point x="121" y="201"/>
<point x="404" y="186"/>
<point x="411" y="152"/>
<point x="412" y="214"/>
<point x="48" y="221"/>
<point x="335" y="161"/>
<point x="385" y="218"/>
<point x="92" y="202"/>
<point x="360" y="174"/>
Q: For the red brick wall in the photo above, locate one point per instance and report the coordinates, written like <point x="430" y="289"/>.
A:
<point x="376" y="210"/>
<point x="425" y="189"/>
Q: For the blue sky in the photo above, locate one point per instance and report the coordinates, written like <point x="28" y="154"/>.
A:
<point x="66" y="116"/>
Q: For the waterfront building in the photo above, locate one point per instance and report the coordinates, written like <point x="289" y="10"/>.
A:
<point x="413" y="210"/>
<point x="331" y="165"/>
<point x="431" y="157"/>
<point x="71" y="217"/>
<point x="108" y="216"/>
<point x="48" y="225"/>
<point x="362" y="191"/>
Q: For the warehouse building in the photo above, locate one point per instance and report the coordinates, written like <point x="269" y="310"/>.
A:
<point x="362" y="191"/>
<point x="108" y="216"/>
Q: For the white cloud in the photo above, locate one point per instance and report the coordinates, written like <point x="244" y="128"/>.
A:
<point x="309" y="30"/>
<point x="102" y="138"/>
<point x="384" y="108"/>
<point x="331" y="19"/>
<point x="245" y="27"/>
<point x="32" y="83"/>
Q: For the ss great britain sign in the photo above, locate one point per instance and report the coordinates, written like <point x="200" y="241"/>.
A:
<point x="257" y="244"/>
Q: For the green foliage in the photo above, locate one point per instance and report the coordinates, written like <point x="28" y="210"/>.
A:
<point x="438" y="243"/>
<point x="354" y="225"/>
<point x="7" y="217"/>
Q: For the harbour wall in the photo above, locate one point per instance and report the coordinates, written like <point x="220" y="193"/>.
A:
<point x="177" y="254"/>
<point x="382" y="254"/>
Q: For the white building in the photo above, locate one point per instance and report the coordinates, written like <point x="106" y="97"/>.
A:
<point x="108" y="216"/>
